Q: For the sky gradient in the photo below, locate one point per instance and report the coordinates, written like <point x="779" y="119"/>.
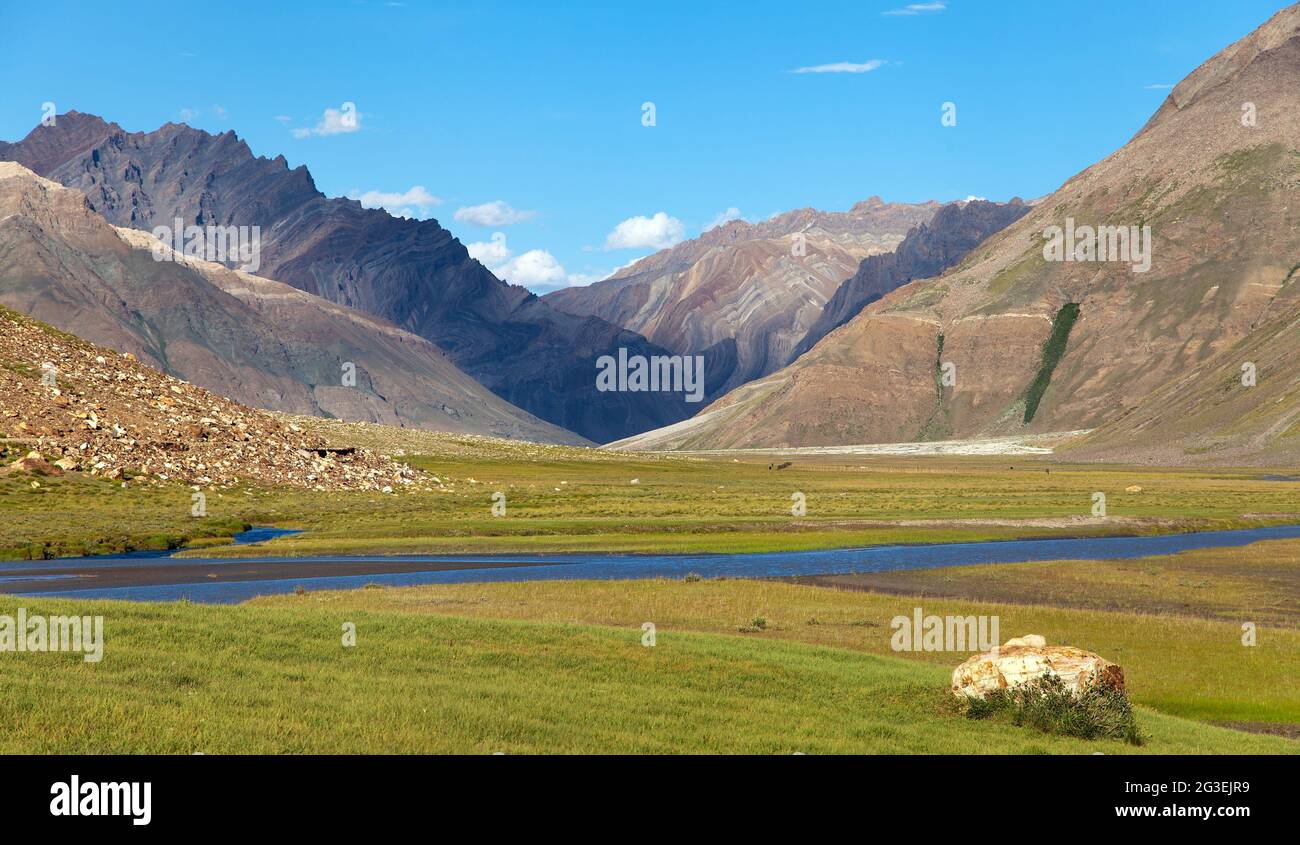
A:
<point x="523" y="122"/>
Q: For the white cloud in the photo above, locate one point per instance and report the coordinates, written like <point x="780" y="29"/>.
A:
<point x="495" y="213"/>
<point x="916" y="9"/>
<point x="338" y="121"/>
<point x="657" y="232"/>
<point x="416" y="202"/>
<point x="491" y="254"/>
<point x="843" y="67"/>
<point x="536" y="267"/>
<point x="723" y="218"/>
<point x="188" y="115"/>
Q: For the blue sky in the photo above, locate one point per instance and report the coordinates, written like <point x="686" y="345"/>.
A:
<point x="538" y="106"/>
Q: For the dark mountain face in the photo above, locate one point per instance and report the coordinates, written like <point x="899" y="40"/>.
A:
<point x="412" y="273"/>
<point x="254" y="340"/>
<point x="928" y="250"/>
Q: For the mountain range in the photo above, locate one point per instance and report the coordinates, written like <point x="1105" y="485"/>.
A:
<point x="412" y="273"/>
<point x="1148" y="350"/>
<point x="927" y="251"/>
<point x="1150" y="300"/>
<point x="744" y="293"/>
<point x="260" y="342"/>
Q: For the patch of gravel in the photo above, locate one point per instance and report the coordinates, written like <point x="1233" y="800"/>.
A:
<point x="82" y="408"/>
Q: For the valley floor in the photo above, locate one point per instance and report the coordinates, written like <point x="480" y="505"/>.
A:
<point x="737" y="665"/>
<point x="568" y="499"/>
<point x="1180" y="642"/>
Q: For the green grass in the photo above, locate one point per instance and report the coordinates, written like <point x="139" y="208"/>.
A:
<point x="1046" y="704"/>
<point x="677" y="537"/>
<point x="1197" y="668"/>
<point x="679" y="504"/>
<point x="557" y="666"/>
<point x="1011" y="278"/>
<point x="937" y="426"/>
<point x="74" y="515"/>
<point x="1053" y="349"/>
<point x="179" y="678"/>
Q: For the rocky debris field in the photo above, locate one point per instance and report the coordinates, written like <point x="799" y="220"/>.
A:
<point x="69" y="406"/>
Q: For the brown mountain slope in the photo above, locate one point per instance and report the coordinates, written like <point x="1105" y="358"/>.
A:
<point x="413" y="273"/>
<point x="1214" y="415"/>
<point x="82" y="408"/>
<point x="1039" y="345"/>
<point x="928" y="250"/>
<point x="747" y="282"/>
<point x="261" y="342"/>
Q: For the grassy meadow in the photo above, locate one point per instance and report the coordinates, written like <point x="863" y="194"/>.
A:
<point x="741" y="666"/>
<point x="1179" y="664"/>
<point x="564" y="499"/>
<point x="179" y="679"/>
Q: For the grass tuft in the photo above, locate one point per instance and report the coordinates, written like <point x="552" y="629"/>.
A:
<point x="1099" y="712"/>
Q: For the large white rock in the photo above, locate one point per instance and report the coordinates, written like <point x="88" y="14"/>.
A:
<point x="1025" y="659"/>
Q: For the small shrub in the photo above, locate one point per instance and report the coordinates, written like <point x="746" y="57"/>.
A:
<point x="1099" y="712"/>
<point x="692" y="577"/>
<point x="983" y="708"/>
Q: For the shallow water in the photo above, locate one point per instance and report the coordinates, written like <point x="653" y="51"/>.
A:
<point x="545" y="567"/>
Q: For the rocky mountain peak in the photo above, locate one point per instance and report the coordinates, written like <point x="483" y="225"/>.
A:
<point x="872" y="203"/>
<point x="73" y="134"/>
<point x="410" y="272"/>
<point x="1222" y="69"/>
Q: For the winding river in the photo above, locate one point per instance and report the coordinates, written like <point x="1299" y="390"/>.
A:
<point x="156" y="576"/>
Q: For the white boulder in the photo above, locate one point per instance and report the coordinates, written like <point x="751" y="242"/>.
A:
<point x="1025" y="659"/>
